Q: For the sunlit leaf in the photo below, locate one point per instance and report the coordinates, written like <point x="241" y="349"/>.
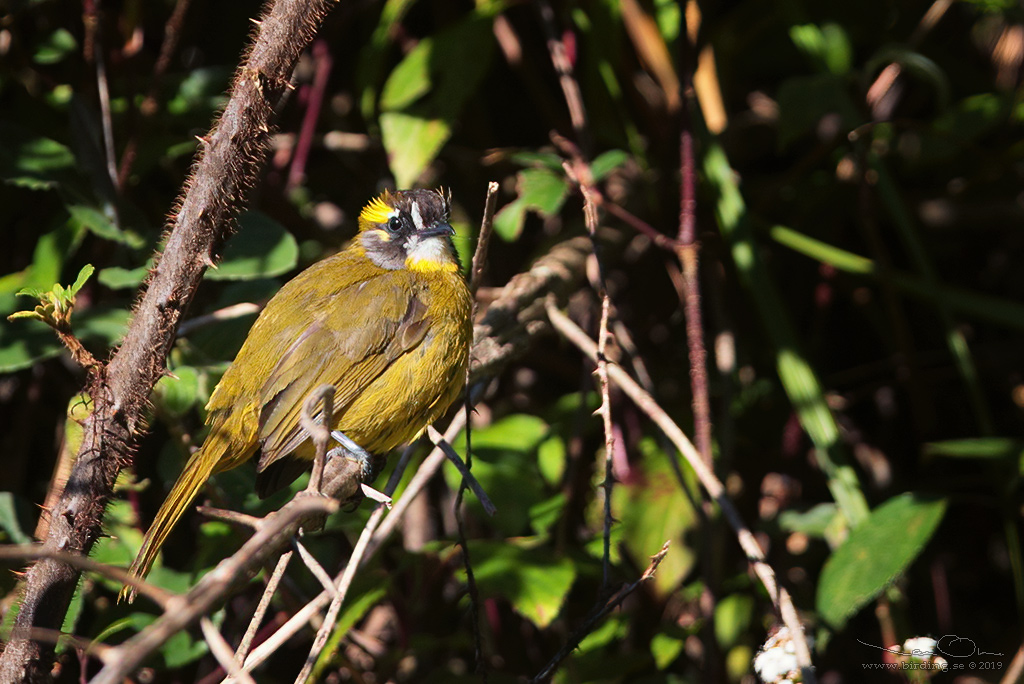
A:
<point x="875" y="553"/>
<point x="56" y="47"/>
<point x="531" y="578"/>
<point x="412" y="142"/>
<point x="261" y="248"/>
<point x="640" y="506"/>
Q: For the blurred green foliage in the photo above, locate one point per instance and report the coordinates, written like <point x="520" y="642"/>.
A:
<point x="859" y="217"/>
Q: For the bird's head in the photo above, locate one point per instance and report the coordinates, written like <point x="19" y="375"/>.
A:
<point x="409" y="229"/>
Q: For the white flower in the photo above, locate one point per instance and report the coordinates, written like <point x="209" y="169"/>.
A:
<point x="920" y="647"/>
<point x="776" y="662"/>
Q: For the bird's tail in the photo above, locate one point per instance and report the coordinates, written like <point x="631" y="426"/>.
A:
<point x="204" y="463"/>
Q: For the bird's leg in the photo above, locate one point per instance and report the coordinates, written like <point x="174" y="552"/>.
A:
<point x="349" y="449"/>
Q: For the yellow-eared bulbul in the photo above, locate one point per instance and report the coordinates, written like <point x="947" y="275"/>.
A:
<point x="386" y="321"/>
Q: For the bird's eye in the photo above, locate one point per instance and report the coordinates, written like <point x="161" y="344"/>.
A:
<point x="394" y="225"/>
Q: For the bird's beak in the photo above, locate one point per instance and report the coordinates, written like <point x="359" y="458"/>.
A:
<point x="436" y="230"/>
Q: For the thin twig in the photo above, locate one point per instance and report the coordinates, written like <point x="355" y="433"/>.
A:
<point x="225" y="314"/>
<point x="343" y="583"/>
<point x="222" y="651"/>
<point x="441" y="443"/>
<point x="230" y="516"/>
<point x="460" y="527"/>
<point x="714" y="487"/>
<point x="107" y="125"/>
<point x="314" y="567"/>
<point x="598" y="615"/>
<point x="86" y="564"/>
<point x="578" y="170"/>
<point x="483" y="239"/>
<point x="563" y="67"/>
<point x="261" y="610"/>
<point x="319" y="432"/>
<point x="87" y="647"/>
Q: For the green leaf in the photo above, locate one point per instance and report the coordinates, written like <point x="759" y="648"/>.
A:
<point x="665" y="649"/>
<point x="977" y="447"/>
<point x="804" y="100"/>
<point x="528" y="576"/>
<point x="542" y="190"/>
<point x="813" y="522"/>
<point x="411" y="142"/>
<point x="32" y="161"/>
<point x="877" y="550"/>
<point x="56" y="47"/>
<point x="262" y="248"/>
<point x="733" y="616"/>
<point x="425" y="94"/>
<point x="201" y="91"/>
<point x="607" y="162"/>
<point x="99" y="224"/>
<point x="827" y="46"/>
<point x="83" y="276"/>
<point x="641" y="506"/>
<point x="181" y="649"/>
<point x="179" y="394"/>
<point x="22" y="344"/>
<point x="551" y="460"/>
<point x="9" y="520"/>
<point x="372" y="62"/>
<point x="505" y="464"/>
<point x="410" y="80"/>
<point x="508" y="222"/>
<point x="117" y="278"/>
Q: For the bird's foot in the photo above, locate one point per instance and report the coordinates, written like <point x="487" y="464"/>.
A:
<point x="349" y="449"/>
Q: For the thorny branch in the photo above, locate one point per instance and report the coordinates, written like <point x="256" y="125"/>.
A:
<point x="227" y="166"/>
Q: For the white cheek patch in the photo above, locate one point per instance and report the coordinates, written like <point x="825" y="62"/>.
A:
<point x="432" y="250"/>
<point x="417" y="219"/>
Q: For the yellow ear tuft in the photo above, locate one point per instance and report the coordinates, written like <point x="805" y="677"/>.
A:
<point x="377" y="211"/>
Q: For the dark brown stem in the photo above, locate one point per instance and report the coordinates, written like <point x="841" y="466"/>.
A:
<point x="229" y="162"/>
<point x="323" y="62"/>
<point x="687" y="249"/>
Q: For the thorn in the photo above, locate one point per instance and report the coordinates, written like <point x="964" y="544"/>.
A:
<point x="203" y="140"/>
<point x="258" y="22"/>
<point x="289" y="85"/>
<point x="208" y="261"/>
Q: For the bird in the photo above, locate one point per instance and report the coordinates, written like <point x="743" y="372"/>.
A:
<point x="386" y="321"/>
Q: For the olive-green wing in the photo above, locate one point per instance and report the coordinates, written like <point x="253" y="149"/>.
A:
<point x="356" y="333"/>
